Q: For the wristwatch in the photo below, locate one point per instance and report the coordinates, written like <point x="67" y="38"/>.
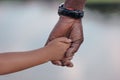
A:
<point x="76" y="14"/>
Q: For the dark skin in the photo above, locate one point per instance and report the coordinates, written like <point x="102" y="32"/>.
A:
<point x="54" y="51"/>
<point x="70" y="28"/>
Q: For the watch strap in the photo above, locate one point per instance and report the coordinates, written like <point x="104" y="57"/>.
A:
<point x="76" y="14"/>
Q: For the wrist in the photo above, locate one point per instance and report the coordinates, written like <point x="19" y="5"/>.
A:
<point x="42" y="54"/>
<point x="48" y="53"/>
<point x="70" y="12"/>
<point x="73" y="8"/>
<point x="75" y="4"/>
<point x="66" y="18"/>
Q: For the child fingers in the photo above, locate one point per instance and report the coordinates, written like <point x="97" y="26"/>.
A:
<point x="65" y="40"/>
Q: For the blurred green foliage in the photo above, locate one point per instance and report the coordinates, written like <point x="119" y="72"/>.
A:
<point x="103" y="1"/>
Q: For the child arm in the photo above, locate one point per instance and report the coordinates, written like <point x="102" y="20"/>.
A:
<point x="15" y="61"/>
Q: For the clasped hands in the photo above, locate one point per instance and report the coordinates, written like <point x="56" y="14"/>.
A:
<point x="72" y="29"/>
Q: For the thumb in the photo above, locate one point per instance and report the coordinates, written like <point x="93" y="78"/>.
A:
<point x="65" y="40"/>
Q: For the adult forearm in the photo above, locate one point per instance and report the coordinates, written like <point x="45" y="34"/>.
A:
<point x="75" y="4"/>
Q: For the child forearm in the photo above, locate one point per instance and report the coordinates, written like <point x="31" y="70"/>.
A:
<point x="16" y="61"/>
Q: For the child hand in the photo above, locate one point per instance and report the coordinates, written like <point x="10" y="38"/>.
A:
<point x="57" y="48"/>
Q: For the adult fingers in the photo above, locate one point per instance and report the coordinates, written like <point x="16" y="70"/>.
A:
<point x="64" y="62"/>
<point x="67" y="62"/>
<point x="58" y="63"/>
<point x="77" y="38"/>
<point x="74" y="47"/>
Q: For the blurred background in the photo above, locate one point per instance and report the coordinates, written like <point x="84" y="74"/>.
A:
<point x="26" y="24"/>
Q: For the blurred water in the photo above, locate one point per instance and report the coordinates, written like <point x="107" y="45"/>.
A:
<point x="26" y="26"/>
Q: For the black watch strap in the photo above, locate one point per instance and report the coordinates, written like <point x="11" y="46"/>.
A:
<point x="76" y="14"/>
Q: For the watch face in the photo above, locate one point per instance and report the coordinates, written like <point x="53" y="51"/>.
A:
<point x="77" y="14"/>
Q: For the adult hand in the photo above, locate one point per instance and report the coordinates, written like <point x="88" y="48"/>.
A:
<point x="70" y="28"/>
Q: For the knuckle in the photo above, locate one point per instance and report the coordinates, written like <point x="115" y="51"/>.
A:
<point x="82" y="40"/>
